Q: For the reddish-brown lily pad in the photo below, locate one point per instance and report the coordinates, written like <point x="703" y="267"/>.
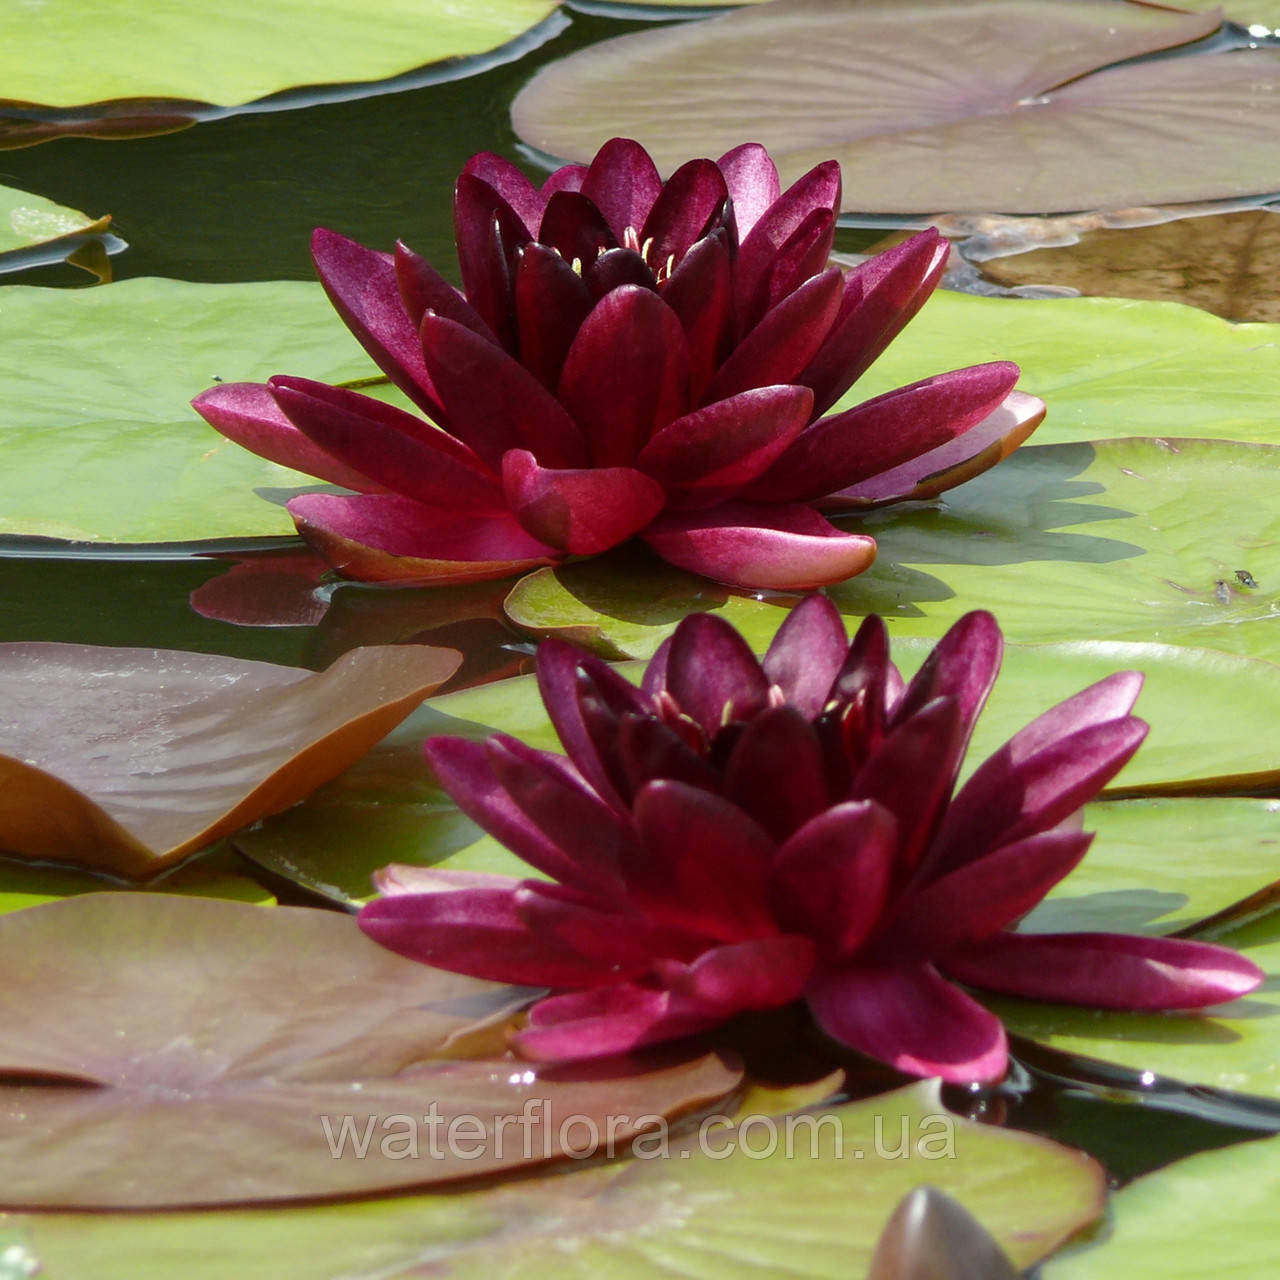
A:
<point x="1009" y="106"/>
<point x="161" y="1051"/>
<point x="126" y="760"/>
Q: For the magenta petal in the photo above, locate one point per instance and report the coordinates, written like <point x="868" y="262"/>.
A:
<point x="622" y="182"/>
<point x="247" y="413"/>
<point x="495" y="404"/>
<point x="817" y="189"/>
<point x="914" y="1020"/>
<point x="776" y="772"/>
<point x="879" y="435"/>
<point x="477" y="932"/>
<point x="400" y="452"/>
<point x="650" y="749"/>
<point x="784" y="548"/>
<point x="691" y="200"/>
<point x="382" y="537"/>
<point x="1106" y="970"/>
<point x="803" y="255"/>
<point x="831" y="879"/>
<point x="712" y="453"/>
<point x="959" y="460"/>
<point x="489" y="233"/>
<point x="423" y="289"/>
<point x="700" y="292"/>
<point x="703" y="864"/>
<point x="614" y="268"/>
<point x="507" y="790"/>
<point x="880" y="297"/>
<point x="752" y="179"/>
<point x="400" y="878"/>
<point x="576" y="229"/>
<point x="585" y="699"/>
<point x="982" y="897"/>
<point x="627" y="374"/>
<point x="712" y="673"/>
<point x="551" y="303"/>
<point x="583" y="511"/>
<point x="363" y="288"/>
<point x="605" y="1021"/>
<point x="866" y="687"/>
<point x="569" y="177"/>
<point x="783" y="342"/>
<point x="807" y="654"/>
<point x="764" y="973"/>
<point x="963" y="665"/>
<point x="510" y="183"/>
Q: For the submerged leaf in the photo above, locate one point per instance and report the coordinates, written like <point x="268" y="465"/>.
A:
<point x="999" y="106"/>
<point x="127" y="759"/>
<point x="165" y="1051"/>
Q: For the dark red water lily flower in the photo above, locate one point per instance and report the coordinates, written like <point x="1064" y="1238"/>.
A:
<point x="735" y="835"/>
<point x="628" y="357"/>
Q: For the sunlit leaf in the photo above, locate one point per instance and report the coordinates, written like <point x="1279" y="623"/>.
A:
<point x="30" y="222"/>
<point x="1264" y="13"/>
<point x="697" y="1213"/>
<point x="181" y="1051"/>
<point x="79" y="52"/>
<point x="1001" y="106"/>
<point x="1210" y="1214"/>
<point x="126" y="759"/>
<point x="1229" y="264"/>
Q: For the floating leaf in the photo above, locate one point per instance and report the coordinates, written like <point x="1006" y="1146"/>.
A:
<point x="932" y="1237"/>
<point x="78" y="52"/>
<point x="1210" y="1214"/>
<point x="1229" y="264"/>
<point x="724" y="1210"/>
<point x="1234" y="1047"/>
<point x="169" y="1051"/>
<point x="94" y="402"/>
<point x="30" y="222"/>
<point x="128" y="759"/>
<point x="1000" y="106"/>
<point x="1263" y="13"/>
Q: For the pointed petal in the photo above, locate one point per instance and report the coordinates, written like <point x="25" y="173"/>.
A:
<point x="551" y="303"/>
<point x="807" y="654"/>
<point x="399" y="452"/>
<point x="775" y="771"/>
<point x="752" y="179"/>
<point x="508" y="790"/>
<point x="803" y="255"/>
<point x="817" y="189"/>
<point x="580" y="511"/>
<point x="865" y="688"/>
<point x="700" y="292"/>
<point x="381" y="538"/>
<point x="510" y="183"/>
<point x="690" y="202"/>
<point x="247" y="413"/>
<point x="614" y="268"/>
<point x="650" y="749"/>
<point x="710" y="454"/>
<point x="575" y="228"/>
<point x="569" y="177"/>
<point x="423" y="289"/>
<point x="982" y="897"/>
<point x="914" y="1020"/>
<point x="844" y="449"/>
<point x="494" y="403"/>
<point x="1107" y="970"/>
<point x="702" y="863"/>
<point x="585" y="700"/>
<point x="712" y="673"/>
<point x="608" y="1020"/>
<point x="477" y="932"/>
<point x="764" y="973"/>
<point x="832" y="878"/>
<point x="978" y="450"/>
<point x="880" y="297"/>
<point x="626" y="375"/>
<point x="489" y="233"/>
<point x="963" y="665"/>
<point x="783" y="342"/>
<point x="622" y="182"/>
<point x="363" y="288"/>
<point x="784" y="548"/>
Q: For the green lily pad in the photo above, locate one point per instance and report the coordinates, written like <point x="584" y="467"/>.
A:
<point x="1176" y="541"/>
<point x="1105" y="366"/>
<point x="94" y="403"/>
<point x="1210" y="1214"/>
<point x="1262" y="13"/>
<point x="30" y="222"/>
<point x="723" y="1209"/>
<point x="1010" y="106"/>
<point x="1235" y="1047"/>
<point x="79" y="52"/>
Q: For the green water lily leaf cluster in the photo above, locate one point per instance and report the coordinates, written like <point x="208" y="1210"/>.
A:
<point x="733" y="1204"/>
<point x="126" y="760"/>
<point x="1001" y="106"/>
<point x="79" y="52"/>
<point x="29" y="221"/>
<point x="149" y="1064"/>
